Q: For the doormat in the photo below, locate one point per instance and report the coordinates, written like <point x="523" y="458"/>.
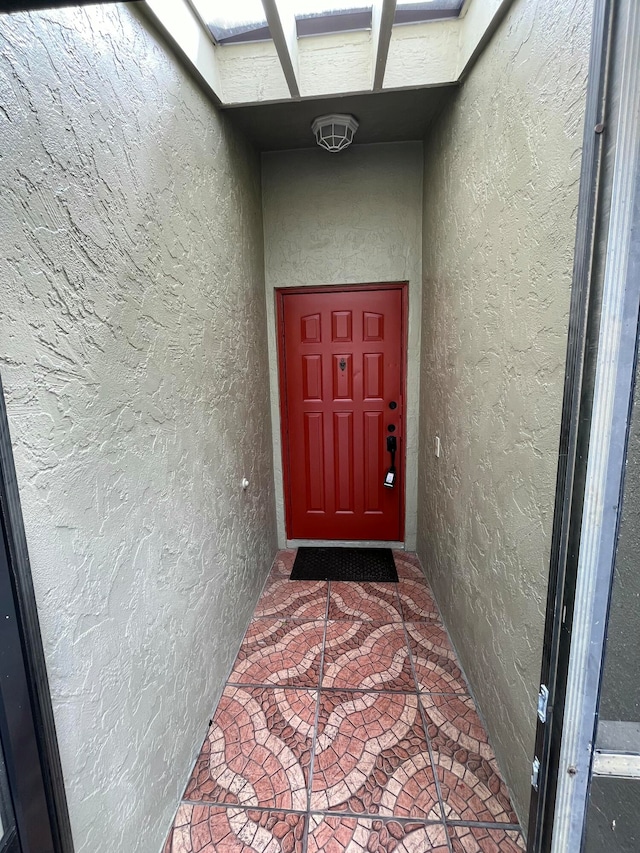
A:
<point x="365" y="565"/>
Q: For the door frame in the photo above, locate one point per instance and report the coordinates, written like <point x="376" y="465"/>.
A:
<point x="599" y="385"/>
<point x="280" y="293"/>
<point x="27" y="726"/>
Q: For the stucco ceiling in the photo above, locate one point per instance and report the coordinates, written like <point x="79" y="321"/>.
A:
<point x="383" y="117"/>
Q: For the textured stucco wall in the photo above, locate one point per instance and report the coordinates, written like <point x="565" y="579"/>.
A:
<point x="133" y="351"/>
<point x="347" y="218"/>
<point x="500" y="192"/>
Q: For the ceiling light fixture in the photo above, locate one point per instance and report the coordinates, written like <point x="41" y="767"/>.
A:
<point x="334" y="132"/>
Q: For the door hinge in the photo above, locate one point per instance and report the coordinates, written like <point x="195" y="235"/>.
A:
<point x="543" y="703"/>
<point x="535" y="773"/>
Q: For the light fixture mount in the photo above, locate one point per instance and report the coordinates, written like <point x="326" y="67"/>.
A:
<point x="334" y="132"/>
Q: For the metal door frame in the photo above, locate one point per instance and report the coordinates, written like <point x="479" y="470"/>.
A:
<point x="601" y="358"/>
<point x="27" y="726"/>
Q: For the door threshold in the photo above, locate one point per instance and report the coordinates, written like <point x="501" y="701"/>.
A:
<point x="343" y="543"/>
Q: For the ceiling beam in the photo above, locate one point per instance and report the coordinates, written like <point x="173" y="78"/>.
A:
<point x="478" y="25"/>
<point x="282" y="23"/>
<point x="184" y="30"/>
<point x="383" y="14"/>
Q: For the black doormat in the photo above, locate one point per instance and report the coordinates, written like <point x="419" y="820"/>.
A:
<point x="365" y="565"/>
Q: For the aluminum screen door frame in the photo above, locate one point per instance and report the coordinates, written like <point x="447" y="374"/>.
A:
<point x="600" y="375"/>
<point x="613" y="397"/>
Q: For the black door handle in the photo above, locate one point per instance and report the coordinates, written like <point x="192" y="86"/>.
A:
<point x="390" y="476"/>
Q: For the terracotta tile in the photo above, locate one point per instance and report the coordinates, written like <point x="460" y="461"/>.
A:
<point x="372" y="757"/>
<point x="258" y="749"/>
<point x="408" y="566"/>
<point x="214" y="829"/>
<point x="455" y="718"/>
<point x="368" y="656"/>
<point x="365" y="835"/>
<point x="374" y="602"/>
<point x="476" y="839"/>
<point x="282" y="565"/>
<point x="287" y="599"/>
<point x="466" y="797"/>
<point x="460" y="744"/>
<point x="278" y="651"/>
<point x="434" y="660"/>
<point x="472" y="789"/>
<point x="418" y="605"/>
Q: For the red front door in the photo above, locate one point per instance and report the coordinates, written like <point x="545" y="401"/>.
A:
<point x="341" y="378"/>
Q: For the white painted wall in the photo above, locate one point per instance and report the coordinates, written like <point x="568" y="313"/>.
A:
<point x="348" y="218"/>
<point x="133" y="352"/>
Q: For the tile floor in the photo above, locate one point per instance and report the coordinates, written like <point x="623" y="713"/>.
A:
<point x="346" y="725"/>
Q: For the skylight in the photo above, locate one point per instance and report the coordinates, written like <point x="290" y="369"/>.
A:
<point x="279" y="68"/>
<point x="232" y="21"/>
<point x="413" y="11"/>
<point x="317" y="17"/>
<point x="237" y="21"/>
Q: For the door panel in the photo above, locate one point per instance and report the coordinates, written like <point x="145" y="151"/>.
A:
<point x="343" y="377"/>
<point x="312" y="381"/>
<point x="315" y="462"/>
<point x="342" y="364"/>
<point x="373" y="473"/>
<point x="341" y="326"/>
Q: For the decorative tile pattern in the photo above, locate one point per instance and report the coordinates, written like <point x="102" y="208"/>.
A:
<point x="465" y="796"/>
<point x="455" y="717"/>
<point x="408" y="566"/>
<point x="372" y="756"/>
<point x="417" y="602"/>
<point x="363" y="835"/>
<point x="460" y="746"/>
<point x="434" y="660"/>
<point x="322" y="724"/>
<point x="476" y="839"/>
<point x="368" y="656"/>
<point x="212" y="829"/>
<point x="374" y="602"/>
<point x="258" y="749"/>
<point x="282" y="565"/>
<point x="287" y="599"/>
<point x="277" y="651"/>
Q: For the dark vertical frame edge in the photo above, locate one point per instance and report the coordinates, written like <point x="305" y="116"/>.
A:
<point x="584" y="316"/>
<point x="284" y="421"/>
<point x="404" y="366"/>
<point x="42" y="709"/>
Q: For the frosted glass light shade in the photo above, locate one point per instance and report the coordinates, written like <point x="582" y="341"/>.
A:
<point x="334" y="132"/>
